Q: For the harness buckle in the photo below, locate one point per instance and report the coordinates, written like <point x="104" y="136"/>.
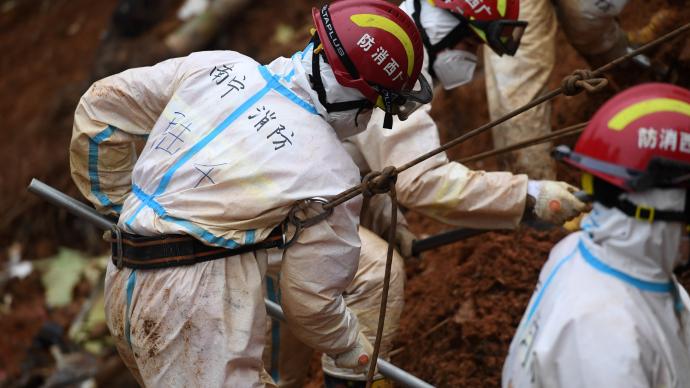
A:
<point x="118" y="244"/>
<point x="648" y="213"/>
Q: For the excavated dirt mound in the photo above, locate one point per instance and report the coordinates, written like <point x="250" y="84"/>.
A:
<point x="463" y="300"/>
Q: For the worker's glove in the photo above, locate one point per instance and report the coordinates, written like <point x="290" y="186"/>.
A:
<point x="358" y="358"/>
<point x="554" y="202"/>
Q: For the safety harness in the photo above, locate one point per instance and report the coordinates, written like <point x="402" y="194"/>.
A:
<point x="173" y="250"/>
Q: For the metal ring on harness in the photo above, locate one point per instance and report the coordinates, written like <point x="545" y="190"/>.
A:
<point x="300" y="224"/>
<point x="118" y="240"/>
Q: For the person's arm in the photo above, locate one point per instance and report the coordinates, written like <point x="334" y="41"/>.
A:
<point x="437" y="187"/>
<point x="114" y="115"/>
<point x="315" y="271"/>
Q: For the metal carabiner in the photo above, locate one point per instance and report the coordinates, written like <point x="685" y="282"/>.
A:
<point x="304" y="205"/>
<point x="299" y="223"/>
<point x="118" y="244"/>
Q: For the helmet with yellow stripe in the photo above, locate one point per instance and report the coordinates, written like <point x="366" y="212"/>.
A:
<point x="639" y="139"/>
<point x="494" y="21"/>
<point x="374" y="47"/>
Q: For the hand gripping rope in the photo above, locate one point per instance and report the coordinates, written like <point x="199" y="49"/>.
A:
<point x="384" y="181"/>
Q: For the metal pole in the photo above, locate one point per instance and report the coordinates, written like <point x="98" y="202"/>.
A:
<point x="400" y="376"/>
<point x="455" y="235"/>
<point x="79" y="209"/>
<point x="75" y="207"/>
<point x="386" y="368"/>
<point x="445" y="238"/>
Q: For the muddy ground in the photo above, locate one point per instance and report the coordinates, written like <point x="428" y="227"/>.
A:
<point x="463" y="300"/>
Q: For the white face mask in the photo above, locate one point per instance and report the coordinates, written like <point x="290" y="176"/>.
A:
<point x="344" y="122"/>
<point x="454" y="67"/>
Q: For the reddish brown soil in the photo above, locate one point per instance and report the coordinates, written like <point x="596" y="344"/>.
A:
<point x="471" y="294"/>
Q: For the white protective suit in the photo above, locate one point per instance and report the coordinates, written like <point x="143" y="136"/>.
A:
<point x="607" y="310"/>
<point x="512" y="82"/>
<point x="437" y="187"/>
<point x="288" y="357"/>
<point x="230" y="146"/>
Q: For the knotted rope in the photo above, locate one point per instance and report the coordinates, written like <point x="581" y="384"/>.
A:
<point x="582" y="79"/>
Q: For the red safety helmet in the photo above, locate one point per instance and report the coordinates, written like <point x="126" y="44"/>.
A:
<point x="639" y="139"/>
<point x="374" y="47"/>
<point x="494" y="21"/>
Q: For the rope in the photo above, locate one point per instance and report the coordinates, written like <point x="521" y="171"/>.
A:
<point x="580" y="80"/>
<point x="568" y="131"/>
<point x="386" y="285"/>
<point x="378" y="183"/>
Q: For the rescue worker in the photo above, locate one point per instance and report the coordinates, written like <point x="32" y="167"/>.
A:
<point x="607" y="310"/>
<point x="231" y="147"/>
<point x="512" y="81"/>
<point x="444" y="190"/>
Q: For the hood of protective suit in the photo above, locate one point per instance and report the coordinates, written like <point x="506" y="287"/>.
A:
<point x="437" y="22"/>
<point x="345" y="123"/>
<point x="649" y="251"/>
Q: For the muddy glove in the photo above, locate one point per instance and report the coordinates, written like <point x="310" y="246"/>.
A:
<point x="554" y="202"/>
<point x="358" y="358"/>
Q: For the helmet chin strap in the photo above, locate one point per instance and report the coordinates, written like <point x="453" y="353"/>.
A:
<point x="360" y="105"/>
<point x="317" y="85"/>
<point x="610" y="196"/>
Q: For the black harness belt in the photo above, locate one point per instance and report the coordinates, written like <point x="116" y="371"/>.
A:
<point x="173" y="250"/>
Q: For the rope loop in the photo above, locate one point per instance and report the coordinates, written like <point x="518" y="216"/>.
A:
<point x="379" y="182"/>
<point x="582" y="79"/>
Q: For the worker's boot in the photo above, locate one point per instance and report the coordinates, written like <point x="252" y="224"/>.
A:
<point x="339" y="382"/>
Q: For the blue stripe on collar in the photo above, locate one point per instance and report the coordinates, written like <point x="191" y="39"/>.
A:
<point x="600" y="266"/>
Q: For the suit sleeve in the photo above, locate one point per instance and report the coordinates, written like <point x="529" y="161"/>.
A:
<point x="113" y="116"/>
<point x="314" y="274"/>
<point x="437" y="187"/>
